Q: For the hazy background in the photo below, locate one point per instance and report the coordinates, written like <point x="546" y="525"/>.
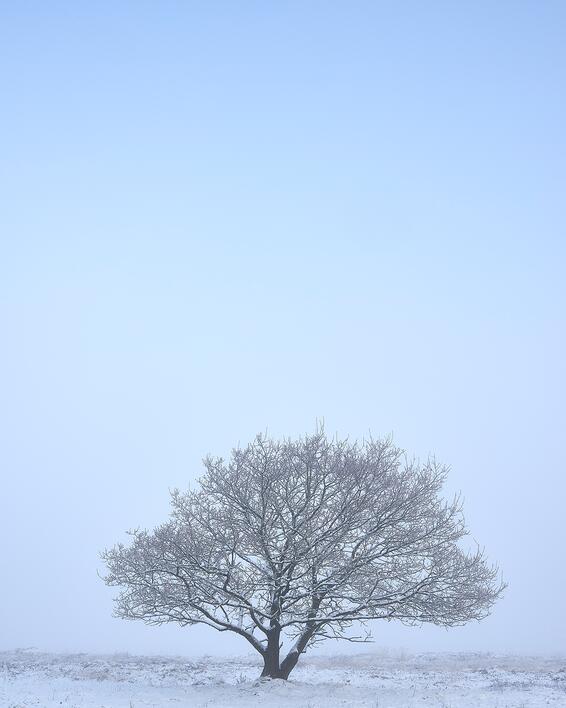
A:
<point x="220" y="217"/>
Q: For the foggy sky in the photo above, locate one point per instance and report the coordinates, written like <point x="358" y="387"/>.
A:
<point x="219" y="218"/>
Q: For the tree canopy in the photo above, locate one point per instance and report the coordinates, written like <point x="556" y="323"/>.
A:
<point x="290" y="542"/>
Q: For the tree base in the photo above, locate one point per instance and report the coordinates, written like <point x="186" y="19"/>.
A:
<point x="272" y="675"/>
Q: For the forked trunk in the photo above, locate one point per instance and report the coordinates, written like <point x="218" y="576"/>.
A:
<point x="271" y="668"/>
<point x="276" y="669"/>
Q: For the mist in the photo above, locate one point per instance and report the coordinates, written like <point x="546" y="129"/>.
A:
<point x="219" y="223"/>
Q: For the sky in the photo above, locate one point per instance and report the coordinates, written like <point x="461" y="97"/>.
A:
<point x="220" y="218"/>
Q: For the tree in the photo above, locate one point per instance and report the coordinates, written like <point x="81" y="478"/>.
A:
<point x="296" y="541"/>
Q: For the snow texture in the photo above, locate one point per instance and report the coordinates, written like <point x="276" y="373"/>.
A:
<point x="377" y="680"/>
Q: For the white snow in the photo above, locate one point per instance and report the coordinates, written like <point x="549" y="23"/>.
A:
<point x="373" y="680"/>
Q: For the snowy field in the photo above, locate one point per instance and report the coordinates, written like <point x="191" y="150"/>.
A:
<point x="377" y="680"/>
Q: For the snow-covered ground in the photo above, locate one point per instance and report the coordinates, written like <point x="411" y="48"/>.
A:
<point x="376" y="680"/>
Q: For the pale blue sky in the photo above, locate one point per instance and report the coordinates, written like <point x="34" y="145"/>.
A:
<point x="220" y="217"/>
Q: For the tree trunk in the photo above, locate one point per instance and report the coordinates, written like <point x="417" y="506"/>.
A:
<point x="289" y="663"/>
<point x="275" y="670"/>
<point x="271" y="668"/>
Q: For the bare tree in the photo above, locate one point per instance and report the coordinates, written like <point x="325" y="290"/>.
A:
<point x="296" y="541"/>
